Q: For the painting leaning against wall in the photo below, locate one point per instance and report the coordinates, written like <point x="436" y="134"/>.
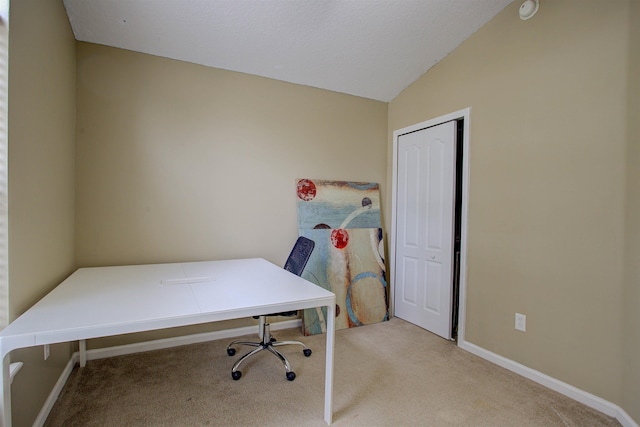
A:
<point x="343" y="219"/>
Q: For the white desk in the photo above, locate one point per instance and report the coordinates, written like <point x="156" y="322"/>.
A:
<point x="103" y="301"/>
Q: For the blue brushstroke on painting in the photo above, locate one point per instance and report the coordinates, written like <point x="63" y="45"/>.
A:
<point x="312" y="214"/>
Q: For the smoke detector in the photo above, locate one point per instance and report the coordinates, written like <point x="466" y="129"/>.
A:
<point x="528" y="9"/>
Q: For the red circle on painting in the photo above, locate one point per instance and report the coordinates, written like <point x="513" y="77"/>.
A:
<point x="306" y="190"/>
<point x="339" y="238"/>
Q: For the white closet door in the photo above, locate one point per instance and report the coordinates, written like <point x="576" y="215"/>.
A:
<point x="424" y="230"/>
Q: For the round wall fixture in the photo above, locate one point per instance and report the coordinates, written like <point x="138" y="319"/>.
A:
<point x="528" y="9"/>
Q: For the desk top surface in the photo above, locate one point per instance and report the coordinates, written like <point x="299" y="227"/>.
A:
<point x="103" y="301"/>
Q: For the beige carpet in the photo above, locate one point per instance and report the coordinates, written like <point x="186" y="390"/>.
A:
<point x="388" y="374"/>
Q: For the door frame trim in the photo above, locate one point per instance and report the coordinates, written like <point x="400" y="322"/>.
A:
<point x="462" y="302"/>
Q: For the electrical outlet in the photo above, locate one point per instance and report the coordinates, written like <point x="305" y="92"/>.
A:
<point x="47" y="351"/>
<point x="521" y="322"/>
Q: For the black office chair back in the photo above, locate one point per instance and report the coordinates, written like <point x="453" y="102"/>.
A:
<point x="296" y="263"/>
<point x="299" y="255"/>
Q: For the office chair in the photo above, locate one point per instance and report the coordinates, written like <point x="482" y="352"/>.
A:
<point x="295" y="264"/>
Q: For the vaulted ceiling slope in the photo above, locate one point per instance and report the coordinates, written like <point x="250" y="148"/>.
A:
<point x="368" y="48"/>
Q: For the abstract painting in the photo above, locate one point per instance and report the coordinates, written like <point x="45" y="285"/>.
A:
<point x="343" y="219"/>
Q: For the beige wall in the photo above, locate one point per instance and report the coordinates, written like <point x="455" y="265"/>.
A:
<point x="41" y="180"/>
<point x="631" y="354"/>
<point x="547" y="184"/>
<point x="182" y="162"/>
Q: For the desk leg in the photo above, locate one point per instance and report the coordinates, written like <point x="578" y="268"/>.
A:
<point x="328" y="379"/>
<point x="82" y="350"/>
<point x="5" y="401"/>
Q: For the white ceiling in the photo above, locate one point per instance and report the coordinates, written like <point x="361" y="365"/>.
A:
<point x="368" y="48"/>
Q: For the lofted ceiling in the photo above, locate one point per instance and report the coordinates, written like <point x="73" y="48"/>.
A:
<point x="368" y="48"/>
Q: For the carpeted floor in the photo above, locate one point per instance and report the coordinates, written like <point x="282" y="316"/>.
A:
<point x="388" y="374"/>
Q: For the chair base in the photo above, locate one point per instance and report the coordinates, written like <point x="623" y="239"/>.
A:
<point x="268" y="343"/>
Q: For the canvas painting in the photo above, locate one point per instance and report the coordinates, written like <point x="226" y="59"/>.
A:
<point x="343" y="219"/>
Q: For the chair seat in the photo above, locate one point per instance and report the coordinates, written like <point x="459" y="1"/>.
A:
<point x="284" y="313"/>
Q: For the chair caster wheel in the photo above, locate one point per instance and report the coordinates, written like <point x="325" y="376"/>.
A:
<point x="291" y="376"/>
<point x="231" y="352"/>
<point x="307" y="352"/>
<point x="237" y="374"/>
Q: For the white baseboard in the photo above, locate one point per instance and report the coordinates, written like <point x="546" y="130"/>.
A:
<point x="568" y="390"/>
<point x="120" y="350"/>
<point x="57" y="389"/>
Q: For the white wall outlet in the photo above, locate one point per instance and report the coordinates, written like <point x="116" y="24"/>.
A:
<point x="521" y="322"/>
<point x="47" y="351"/>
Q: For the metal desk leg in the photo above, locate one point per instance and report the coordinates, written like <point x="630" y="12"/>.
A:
<point x="328" y="379"/>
